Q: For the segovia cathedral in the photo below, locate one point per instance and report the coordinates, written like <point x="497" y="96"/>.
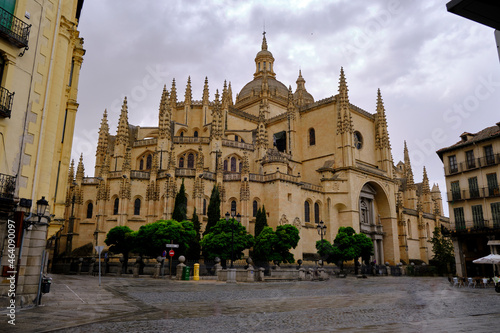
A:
<point x="306" y="161"/>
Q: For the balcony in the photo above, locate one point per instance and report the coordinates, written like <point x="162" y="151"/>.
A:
<point x="6" y="99"/>
<point x="467" y="194"/>
<point x="480" y="162"/>
<point x="7" y="186"/>
<point x="13" y="29"/>
<point x="191" y="139"/>
<point x="471" y="226"/>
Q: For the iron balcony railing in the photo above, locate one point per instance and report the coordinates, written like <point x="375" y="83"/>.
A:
<point x="475" y="225"/>
<point x="6" y="99"/>
<point x="7" y="186"/>
<point x="475" y="193"/>
<point x="13" y="29"/>
<point x="480" y="162"/>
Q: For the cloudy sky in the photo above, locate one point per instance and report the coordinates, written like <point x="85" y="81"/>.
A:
<point x="438" y="72"/>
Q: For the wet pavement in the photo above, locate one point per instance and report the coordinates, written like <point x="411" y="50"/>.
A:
<point x="375" y="304"/>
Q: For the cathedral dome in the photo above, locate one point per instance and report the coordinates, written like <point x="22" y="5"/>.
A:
<point x="253" y="88"/>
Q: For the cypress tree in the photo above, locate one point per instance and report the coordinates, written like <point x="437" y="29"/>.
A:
<point x="261" y="221"/>
<point x="213" y="211"/>
<point x="180" y="205"/>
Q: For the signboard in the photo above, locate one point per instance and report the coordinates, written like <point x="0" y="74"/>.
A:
<point x="99" y="249"/>
<point x="171" y="253"/>
<point x="175" y="246"/>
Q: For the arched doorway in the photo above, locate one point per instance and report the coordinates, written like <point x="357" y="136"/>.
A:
<point x="373" y="211"/>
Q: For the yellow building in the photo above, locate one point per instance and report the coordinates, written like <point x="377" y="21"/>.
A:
<point x="305" y="160"/>
<point x="471" y="168"/>
<point x="40" y="59"/>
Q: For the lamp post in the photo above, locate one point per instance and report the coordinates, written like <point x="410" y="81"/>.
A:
<point x="321" y="229"/>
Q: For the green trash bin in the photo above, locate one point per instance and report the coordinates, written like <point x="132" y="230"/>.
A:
<point x="185" y="273"/>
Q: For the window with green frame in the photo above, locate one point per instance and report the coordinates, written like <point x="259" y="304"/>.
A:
<point x="459" y="218"/>
<point x="495" y="214"/>
<point x="473" y="188"/>
<point x="8" y="6"/>
<point x="477" y="216"/>
<point x="455" y="191"/>
<point x="492" y="184"/>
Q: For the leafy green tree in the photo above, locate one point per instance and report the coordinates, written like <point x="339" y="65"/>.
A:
<point x="443" y="252"/>
<point x="120" y="239"/>
<point x="180" y="206"/>
<point x="195" y="248"/>
<point x="217" y="243"/>
<point x="152" y="238"/>
<point x="260" y="220"/>
<point x="347" y="246"/>
<point x="213" y="210"/>
<point x="271" y="246"/>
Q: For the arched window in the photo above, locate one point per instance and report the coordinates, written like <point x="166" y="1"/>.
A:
<point x="409" y="229"/>
<point x="233" y="206"/>
<point x="115" y="206"/>
<point x="204" y="206"/>
<point x="190" y="161"/>
<point x="225" y="165"/>
<point x="255" y="208"/>
<point x="316" y="213"/>
<point x="233" y="164"/>
<point x="149" y="161"/>
<point x="195" y="134"/>
<point x="312" y="137"/>
<point x="236" y="138"/>
<point x="141" y="164"/>
<point x="181" y="162"/>
<point x="239" y="167"/>
<point x="90" y="210"/>
<point x="182" y="134"/>
<point x="137" y="206"/>
<point x="427" y="229"/>
<point x="307" y="216"/>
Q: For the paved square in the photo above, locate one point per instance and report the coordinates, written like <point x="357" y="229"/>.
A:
<point x="375" y="304"/>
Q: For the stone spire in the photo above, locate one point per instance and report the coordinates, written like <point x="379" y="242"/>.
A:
<point x="425" y="183"/>
<point x="71" y="173"/>
<point x="102" y="143"/>
<point x="230" y="94"/>
<point x="261" y="129"/>
<point x="344" y="119"/>
<point x="264" y="61"/>
<point x="164" y="115"/>
<point x="217" y="129"/>
<point x="80" y="170"/>
<point x="173" y="95"/>
<point x="291" y="106"/>
<point x="301" y="96"/>
<point x="381" y="134"/>
<point x="408" y="171"/>
<point x="225" y="99"/>
<point x="126" y="162"/>
<point x="188" y="96"/>
<point x="122" y="134"/>
<point x="206" y="96"/>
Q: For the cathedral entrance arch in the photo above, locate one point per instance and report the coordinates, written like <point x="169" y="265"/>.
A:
<point x="373" y="209"/>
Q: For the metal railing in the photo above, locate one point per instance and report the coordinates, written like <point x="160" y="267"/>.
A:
<point x="13" y="29"/>
<point x="478" y="193"/>
<point x="480" y="162"/>
<point x="7" y="186"/>
<point x="6" y="99"/>
<point x="475" y="225"/>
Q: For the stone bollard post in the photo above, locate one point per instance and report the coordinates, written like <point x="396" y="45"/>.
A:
<point x="323" y="275"/>
<point x="80" y="262"/>
<point x="302" y="274"/>
<point x="250" y="274"/>
<point x="217" y="266"/>
<point x="310" y="274"/>
<point x="261" y="274"/>
<point x="179" y="268"/>
<point x="137" y="266"/>
<point x="91" y="266"/>
<point x="319" y="273"/>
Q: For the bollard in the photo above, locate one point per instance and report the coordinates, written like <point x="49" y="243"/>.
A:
<point x="196" y="272"/>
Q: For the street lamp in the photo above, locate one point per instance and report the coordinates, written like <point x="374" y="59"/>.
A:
<point x="41" y="208"/>
<point x="321" y="229"/>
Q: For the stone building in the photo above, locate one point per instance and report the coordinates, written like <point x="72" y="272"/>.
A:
<point x="40" y="58"/>
<point x="471" y="168"/>
<point x="305" y="160"/>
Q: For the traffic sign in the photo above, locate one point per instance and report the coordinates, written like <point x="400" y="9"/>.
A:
<point x="99" y="249"/>
<point x="175" y="246"/>
<point x="171" y="253"/>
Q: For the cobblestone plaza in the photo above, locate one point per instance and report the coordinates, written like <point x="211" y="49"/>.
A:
<point x="375" y="304"/>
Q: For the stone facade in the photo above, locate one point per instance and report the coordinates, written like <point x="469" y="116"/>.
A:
<point x="471" y="168"/>
<point x="40" y="58"/>
<point x="304" y="160"/>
